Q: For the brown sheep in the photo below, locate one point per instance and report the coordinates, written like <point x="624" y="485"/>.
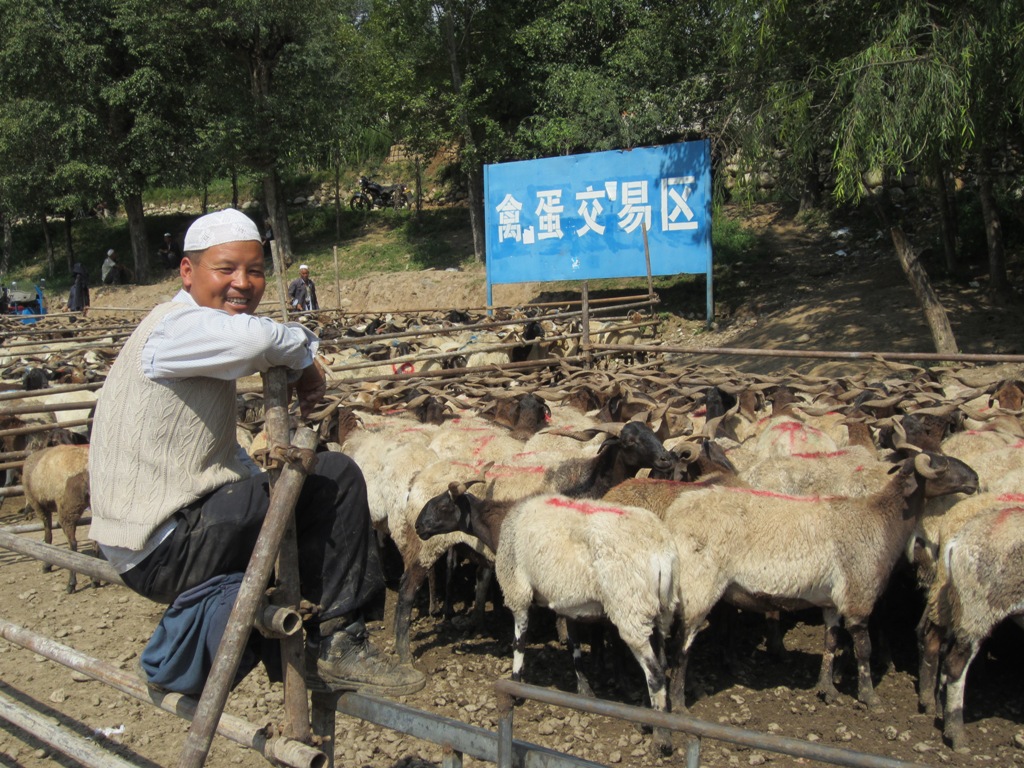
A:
<point x="56" y="479"/>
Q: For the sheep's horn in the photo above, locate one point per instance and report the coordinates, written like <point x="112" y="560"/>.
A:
<point x="687" y="451"/>
<point x="899" y="439"/>
<point x="923" y="464"/>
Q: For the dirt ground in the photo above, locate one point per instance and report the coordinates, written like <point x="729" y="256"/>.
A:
<point x="815" y="288"/>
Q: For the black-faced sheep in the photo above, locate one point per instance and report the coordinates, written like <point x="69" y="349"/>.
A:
<point x="582" y="559"/>
<point x="56" y="480"/>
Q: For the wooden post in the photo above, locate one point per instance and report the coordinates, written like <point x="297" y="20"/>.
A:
<point x="243" y="614"/>
<point x="585" y="341"/>
<point x="296" y="708"/>
<point x="337" y="281"/>
<point x="647" y="261"/>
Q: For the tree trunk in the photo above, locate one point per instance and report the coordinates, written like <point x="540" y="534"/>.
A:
<point x="947" y="216"/>
<point x="69" y="243"/>
<point x="476" y="211"/>
<point x="280" y="249"/>
<point x="419" y="184"/>
<point x="234" y="188"/>
<point x="474" y="172"/>
<point x="51" y="267"/>
<point x="206" y="198"/>
<point x="934" y="313"/>
<point x="278" y="214"/>
<point x="137" y="236"/>
<point x="810" y="193"/>
<point x="8" y="249"/>
<point x="998" y="282"/>
<point x="337" y="199"/>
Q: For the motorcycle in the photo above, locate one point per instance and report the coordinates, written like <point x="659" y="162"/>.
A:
<point x="17" y="301"/>
<point x="372" y="196"/>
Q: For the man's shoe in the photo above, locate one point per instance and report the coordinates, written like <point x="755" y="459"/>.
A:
<point x="348" y="661"/>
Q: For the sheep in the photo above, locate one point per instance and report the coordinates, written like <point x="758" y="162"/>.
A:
<point x="628" y="448"/>
<point x="980" y="584"/>
<point x="934" y="531"/>
<point x="56" y="479"/>
<point x="851" y="471"/>
<point x="766" y="551"/>
<point x="582" y="559"/>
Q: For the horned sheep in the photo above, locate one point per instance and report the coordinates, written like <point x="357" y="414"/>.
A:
<point x="767" y="551"/>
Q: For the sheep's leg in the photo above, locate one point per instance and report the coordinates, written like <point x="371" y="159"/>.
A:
<point x="47" y="517"/>
<point x="68" y="526"/>
<point x="773" y="635"/>
<point x="862" y="650"/>
<point x="411" y="581"/>
<point x="955" y="667"/>
<point x="654" y="673"/>
<point x="451" y="563"/>
<point x="826" y="686"/>
<point x="484" y="575"/>
<point x="679" y="641"/>
<point x="572" y="640"/>
<point x="522" y="621"/>
<point x="929" y="642"/>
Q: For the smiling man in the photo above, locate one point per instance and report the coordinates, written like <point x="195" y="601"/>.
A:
<point x="177" y="505"/>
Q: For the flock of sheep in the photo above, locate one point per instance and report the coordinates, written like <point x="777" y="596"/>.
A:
<point x="643" y="497"/>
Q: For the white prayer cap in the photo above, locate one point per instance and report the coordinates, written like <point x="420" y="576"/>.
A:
<point x="167" y="234"/>
<point x="303" y="266"/>
<point x="227" y="226"/>
<point x="110" y="252"/>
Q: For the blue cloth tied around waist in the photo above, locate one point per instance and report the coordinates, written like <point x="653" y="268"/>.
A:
<point x="180" y="653"/>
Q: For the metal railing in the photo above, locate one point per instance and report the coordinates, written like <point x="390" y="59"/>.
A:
<point x="508" y="691"/>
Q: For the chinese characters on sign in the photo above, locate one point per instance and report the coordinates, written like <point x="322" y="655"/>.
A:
<point x="629" y="200"/>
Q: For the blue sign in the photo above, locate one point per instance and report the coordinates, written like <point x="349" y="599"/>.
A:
<point x="582" y="217"/>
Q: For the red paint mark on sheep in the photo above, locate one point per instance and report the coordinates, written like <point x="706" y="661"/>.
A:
<point x="1005" y="514"/>
<point x="1011" y="497"/>
<point x="584" y="507"/>
<point x="820" y="455"/>
<point x="774" y="495"/>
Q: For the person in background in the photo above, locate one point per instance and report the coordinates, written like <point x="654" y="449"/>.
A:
<point x="169" y="252"/>
<point x="78" y="297"/>
<point x="177" y="504"/>
<point x="302" y="292"/>
<point x="112" y="273"/>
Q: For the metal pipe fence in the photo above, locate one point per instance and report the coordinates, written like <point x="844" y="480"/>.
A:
<point x="507" y="691"/>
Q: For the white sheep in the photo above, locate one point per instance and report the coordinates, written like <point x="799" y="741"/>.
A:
<point x="582" y="559"/>
<point x="56" y="480"/>
<point x="980" y="583"/>
<point x="850" y="471"/>
<point x="765" y="551"/>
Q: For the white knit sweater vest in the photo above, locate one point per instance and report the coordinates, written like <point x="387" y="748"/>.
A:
<point x="156" y="446"/>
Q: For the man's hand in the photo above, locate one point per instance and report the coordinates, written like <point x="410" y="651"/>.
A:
<point x="310" y="388"/>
